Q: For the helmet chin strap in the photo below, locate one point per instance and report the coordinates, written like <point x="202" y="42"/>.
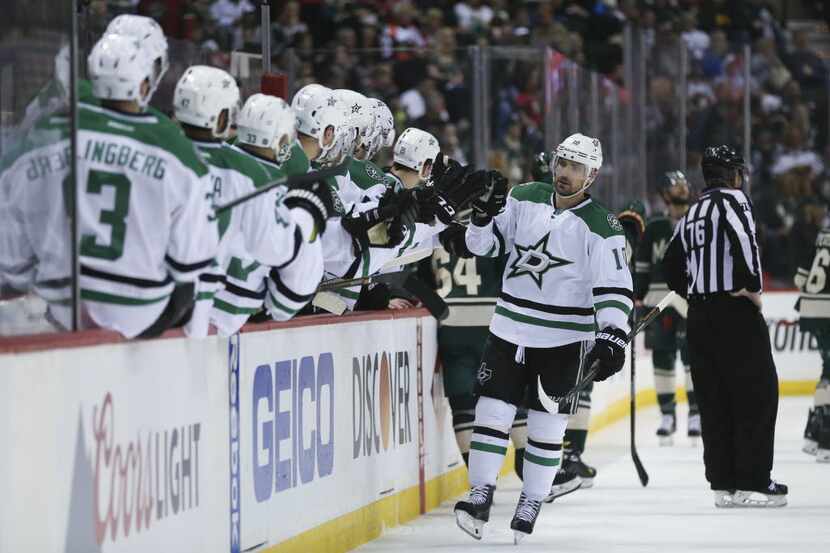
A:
<point x="585" y="187"/>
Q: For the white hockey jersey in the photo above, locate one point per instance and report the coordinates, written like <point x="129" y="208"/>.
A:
<point x="281" y="275"/>
<point x="566" y="273"/>
<point x="260" y="229"/>
<point x="143" y="210"/>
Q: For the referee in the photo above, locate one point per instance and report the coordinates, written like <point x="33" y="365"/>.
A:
<point x="713" y="261"/>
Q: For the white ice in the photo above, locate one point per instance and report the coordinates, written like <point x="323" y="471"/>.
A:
<point x="673" y="514"/>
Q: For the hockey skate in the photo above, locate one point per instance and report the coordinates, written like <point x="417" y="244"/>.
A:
<point x="810" y="446"/>
<point x="525" y="517"/>
<point x="666" y="430"/>
<point x="694" y="429"/>
<point x="723" y="498"/>
<point x="471" y="515"/>
<point x="774" y="495"/>
<point x="572" y="462"/>
<point x="564" y="483"/>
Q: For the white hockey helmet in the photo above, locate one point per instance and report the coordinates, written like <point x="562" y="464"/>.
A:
<point x="149" y="34"/>
<point x="267" y="122"/>
<point x="202" y="94"/>
<point x="383" y="135"/>
<point x="118" y="65"/>
<point x="300" y="102"/>
<point x="580" y="149"/>
<point x="415" y="149"/>
<point x="359" y="111"/>
<point x="318" y="110"/>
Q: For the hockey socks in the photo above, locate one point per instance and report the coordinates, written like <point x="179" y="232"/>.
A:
<point x="543" y="455"/>
<point x="490" y="439"/>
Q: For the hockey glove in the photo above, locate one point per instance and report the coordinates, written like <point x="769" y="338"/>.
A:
<point x="609" y="351"/>
<point x="383" y="225"/>
<point x="315" y="198"/>
<point x="453" y="239"/>
<point x="492" y="201"/>
<point x="453" y="190"/>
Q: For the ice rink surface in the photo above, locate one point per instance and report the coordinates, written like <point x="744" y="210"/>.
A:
<point x="673" y="514"/>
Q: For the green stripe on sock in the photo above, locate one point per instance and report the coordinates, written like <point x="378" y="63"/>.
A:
<point x="541" y="460"/>
<point x="489" y="448"/>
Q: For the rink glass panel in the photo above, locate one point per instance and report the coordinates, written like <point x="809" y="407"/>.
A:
<point x="36" y="270"/>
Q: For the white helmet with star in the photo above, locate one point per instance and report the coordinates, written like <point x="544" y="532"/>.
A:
<point x="267" y="122"/>
<point x="202" y="94"/>
<point x="383" y="135"/>
<point x="150" y="36"/>
<point x="117" y="67"/>
<point x="317" y="111"/>
<point x="359" y="111"/>
<point x="580" y="149"/>
<point x="415" y="149"/>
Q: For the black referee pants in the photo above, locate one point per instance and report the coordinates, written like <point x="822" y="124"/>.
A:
<point x="737" y="390"/>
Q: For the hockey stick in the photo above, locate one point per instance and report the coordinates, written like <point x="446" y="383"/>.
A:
<point x="551" y="403"/>
<point x="287" y="180"/>
<point x="412" y="257"/>
<point x="635" y="457"/>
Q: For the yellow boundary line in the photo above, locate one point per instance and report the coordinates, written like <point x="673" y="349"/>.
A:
<point x="353" y="529"/>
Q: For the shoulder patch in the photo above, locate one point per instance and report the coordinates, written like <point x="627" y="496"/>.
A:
<point x="614" y="223"/>
<point x="536" y="192"/>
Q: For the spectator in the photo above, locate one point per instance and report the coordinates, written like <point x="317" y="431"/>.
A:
<point x="473" y="15"/>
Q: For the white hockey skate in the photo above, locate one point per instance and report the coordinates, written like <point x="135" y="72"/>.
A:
<point x="694" y="429"/>
<point x="775" y="495"/>
<point x="666" y="430"/>
<point x="473" y="514"/>
<point x="723" y="498"/>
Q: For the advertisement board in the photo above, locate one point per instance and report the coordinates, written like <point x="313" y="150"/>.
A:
<point x="114" y="448"/>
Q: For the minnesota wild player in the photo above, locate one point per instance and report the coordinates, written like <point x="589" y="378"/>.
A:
<point x="666" y="336"/>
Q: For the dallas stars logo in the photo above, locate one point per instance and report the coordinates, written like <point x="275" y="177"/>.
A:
<point x="534" y="261"/>
<point x="356" y="108"/>
<point x="331" y="101"/>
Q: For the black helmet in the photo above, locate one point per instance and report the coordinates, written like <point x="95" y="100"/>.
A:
<point x="674" y="187"/>
<point x="720" y="165"/>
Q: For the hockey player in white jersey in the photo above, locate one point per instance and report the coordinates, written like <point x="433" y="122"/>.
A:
<point x="565" y="303"/>
<point x="263" y="229"/>
<point x="282" y="282"/>
<point x="144" y="203"/>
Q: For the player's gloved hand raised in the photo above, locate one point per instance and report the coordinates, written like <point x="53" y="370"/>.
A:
<point x="315" y="198"/>
<point x="609" y="351"/>
<point x="453" y="240"/>
<point x="492" y="201"/>
<point x="453" y="189"/>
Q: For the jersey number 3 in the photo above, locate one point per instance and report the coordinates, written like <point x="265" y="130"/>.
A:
<point x="115" y="218"/>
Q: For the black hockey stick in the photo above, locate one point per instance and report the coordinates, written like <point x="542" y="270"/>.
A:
<point x="638" y="464"/>
<point x="407" y="280"/>
<point x="550" y="403"/>
<point x="287" y="180"/>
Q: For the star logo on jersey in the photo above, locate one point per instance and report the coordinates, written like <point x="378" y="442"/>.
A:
<point x="534" y="261"/>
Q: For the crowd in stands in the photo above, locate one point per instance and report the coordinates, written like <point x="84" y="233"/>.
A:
<point x="414" y="55"/>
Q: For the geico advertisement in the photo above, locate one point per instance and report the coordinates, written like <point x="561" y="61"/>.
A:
<point x="125" y="452"/>
<point x="328" y="420"/>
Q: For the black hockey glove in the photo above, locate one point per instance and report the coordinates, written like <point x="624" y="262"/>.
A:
<point x="453" y="189"/>
<point x="453" y="239"/>
<point x="492" y="201"/>
<point x="609" y="351"/>
<point x="383" y="225"/>
<point x="315" y="198"/>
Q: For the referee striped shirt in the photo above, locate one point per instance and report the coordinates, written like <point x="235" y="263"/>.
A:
<point x="714" y="248"/>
